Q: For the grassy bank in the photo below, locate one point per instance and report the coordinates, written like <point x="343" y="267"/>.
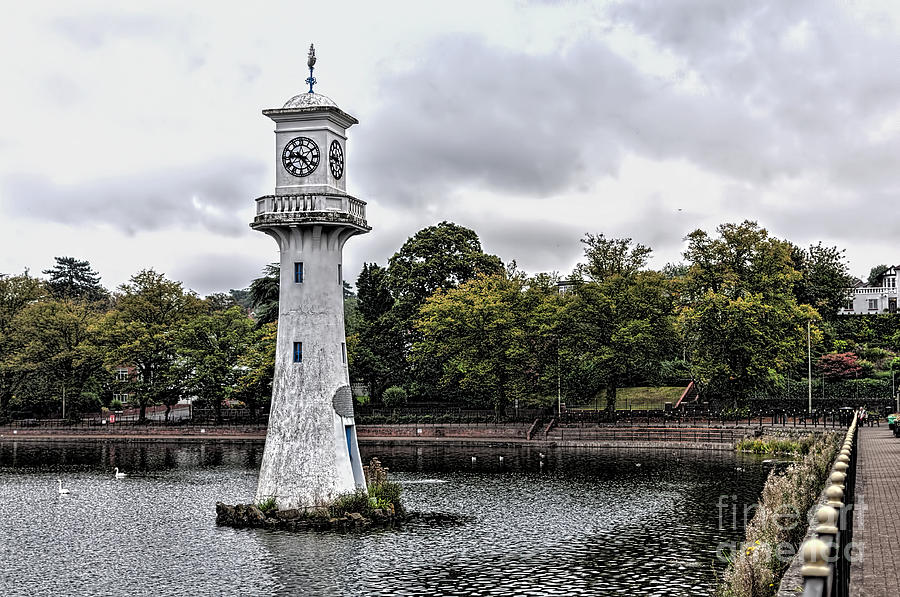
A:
<point x="638" y="398"/>
<point x="779" y="523"/>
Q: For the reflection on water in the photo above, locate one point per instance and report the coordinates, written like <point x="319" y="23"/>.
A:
<point x="575" y="522"/>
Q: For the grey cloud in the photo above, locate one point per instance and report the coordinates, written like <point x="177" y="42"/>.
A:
<point x="534" y="245"/>
<point x="215" y="195"/>
<point x="766" y="108"/>
<point x="209" y="273"/>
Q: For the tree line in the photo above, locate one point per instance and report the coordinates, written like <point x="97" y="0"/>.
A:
<point x="68" y="343"/>
<point x="448" y="323"/>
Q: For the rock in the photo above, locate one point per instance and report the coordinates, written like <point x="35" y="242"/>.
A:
<point x="291" y="514"/>
<point x="224" y="514"/>
<point x="356" y="517"/>
<point x="255" y="516"/>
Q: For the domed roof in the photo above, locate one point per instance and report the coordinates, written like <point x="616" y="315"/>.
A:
<point x="309" y="100"/>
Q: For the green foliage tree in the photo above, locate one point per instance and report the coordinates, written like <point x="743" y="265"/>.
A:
<point x="620" y="322"/>
<point x="143" y="330"/>
<point x="436" y="258"/>
<point x="220" y="301"/>
<point x="487" y="337"/>
<point x="875" y="274"/>
<point x="72" y="278"/>
<point x="264" y="295"/>
<point x="374" y="344"/>
<point x="741" y="322"/>
<point x="256" y="365"/>
<point x="207" y="352"/>
<point x="58" y="350"/>
<point x="825" y="279"/>
<point x="16" y="293"/>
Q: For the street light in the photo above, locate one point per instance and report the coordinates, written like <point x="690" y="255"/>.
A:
<point x="893" y="385"/>
<point x="809" y="359"/>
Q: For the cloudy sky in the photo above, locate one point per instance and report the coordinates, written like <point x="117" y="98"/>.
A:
<point x="131" y="133"/>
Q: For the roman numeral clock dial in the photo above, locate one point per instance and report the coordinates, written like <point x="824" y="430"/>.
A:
<point x="300" y="156"/>
<point x="336" y="160"/>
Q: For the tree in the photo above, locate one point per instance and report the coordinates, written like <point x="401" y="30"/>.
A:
<point x="74" y="279"/>
<point x="374" y="344"/>
<point x="208" y="350"/>
<point x="825" y="279"/>
<point x="142" y="331"/>
<point x="620" y="323"/>
<point x="741" y="322"/>
<point x="435" y="258"/>
<point x="264" y="295"/>
<point x="478" y="333"/>
<point x="875" y="274"/>
<point x="256" y="366"/>
<point x="16" y="293"/>
<point x="58" y="351"/>
<point x="219" y="301"/>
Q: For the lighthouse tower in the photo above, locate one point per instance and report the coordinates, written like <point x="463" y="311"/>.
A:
<point x="311" y="453"/>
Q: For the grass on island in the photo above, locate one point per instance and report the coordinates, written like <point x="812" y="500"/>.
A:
<point x="638" y="398"/>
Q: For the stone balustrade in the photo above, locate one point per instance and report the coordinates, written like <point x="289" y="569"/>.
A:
<point x="310" y="209"/>
<point x="826" y="553"/>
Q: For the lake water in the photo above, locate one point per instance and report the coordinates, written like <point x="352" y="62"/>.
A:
<point x="587" y="522"/>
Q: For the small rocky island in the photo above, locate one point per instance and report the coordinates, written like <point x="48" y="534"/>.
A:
<point x="377" y="506"/>
<point x="321" y="519"/>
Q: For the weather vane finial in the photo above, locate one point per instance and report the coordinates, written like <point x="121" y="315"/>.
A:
<point x="311" y="62"/>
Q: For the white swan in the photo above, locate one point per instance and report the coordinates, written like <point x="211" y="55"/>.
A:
<point x="119" y="475"/>
<point x="62" y="490"/>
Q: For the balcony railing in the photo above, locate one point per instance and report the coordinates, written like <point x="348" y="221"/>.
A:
<point x="297" y="209"/>
<point x="875" y="290"/>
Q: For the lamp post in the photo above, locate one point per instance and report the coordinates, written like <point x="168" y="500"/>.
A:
<point x="809" y="362"/>
<point x="893" y="385"/>
<point x="558" y="382"/>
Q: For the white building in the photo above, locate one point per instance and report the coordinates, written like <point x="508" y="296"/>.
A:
<point x="874" y="299"/>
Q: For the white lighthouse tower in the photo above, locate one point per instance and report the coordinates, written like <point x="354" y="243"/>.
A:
<point x="311" y="453"/>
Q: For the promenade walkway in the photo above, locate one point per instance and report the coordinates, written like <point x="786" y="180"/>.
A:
<point x="877" y="519"/>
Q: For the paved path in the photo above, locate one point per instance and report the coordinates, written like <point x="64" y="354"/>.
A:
<point x="877" y="526"/>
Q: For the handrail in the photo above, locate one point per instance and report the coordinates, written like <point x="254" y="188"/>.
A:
<point x="826" y="561"/>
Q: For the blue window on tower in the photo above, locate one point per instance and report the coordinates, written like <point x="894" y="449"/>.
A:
<point x="298" y="352"/>
<point x="298" y="272"/>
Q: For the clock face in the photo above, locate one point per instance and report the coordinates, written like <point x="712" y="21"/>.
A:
<point x="336" y="160"/>
<point x="300" y="156"/>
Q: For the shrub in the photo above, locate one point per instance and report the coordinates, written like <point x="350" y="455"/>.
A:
<point x="115" y="404"/>
<point x="394" y="396"/>
<point x="755" y="569"/>
<point x="384" y="494"/>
